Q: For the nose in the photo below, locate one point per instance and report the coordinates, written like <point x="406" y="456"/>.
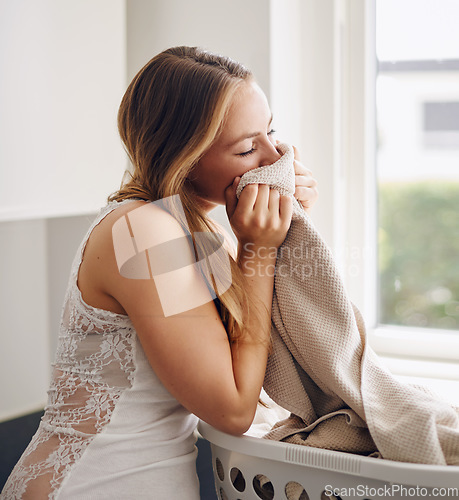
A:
<point x="271" y="154"/>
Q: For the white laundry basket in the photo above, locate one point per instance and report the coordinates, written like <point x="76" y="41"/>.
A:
<point x="251" y="468"/>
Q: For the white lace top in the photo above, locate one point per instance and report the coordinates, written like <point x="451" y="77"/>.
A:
<point x="110" y="429"/>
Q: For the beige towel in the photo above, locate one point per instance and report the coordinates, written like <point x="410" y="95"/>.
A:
<point x="322" y="369"/>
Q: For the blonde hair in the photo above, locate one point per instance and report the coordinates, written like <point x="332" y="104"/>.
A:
<point x="171" y="113"/>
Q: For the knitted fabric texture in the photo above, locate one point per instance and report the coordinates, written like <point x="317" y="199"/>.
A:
<point x="322" y="369"/>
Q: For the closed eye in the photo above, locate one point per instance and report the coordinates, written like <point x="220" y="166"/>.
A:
<point x="252" y="150"/>
<point x="247" y="153"/>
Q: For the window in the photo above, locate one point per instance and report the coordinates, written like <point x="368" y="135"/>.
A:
<point x="376" y="106"/>
<point x="418" y="163"/>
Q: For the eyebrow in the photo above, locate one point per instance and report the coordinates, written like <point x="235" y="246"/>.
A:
<point x="248" y="135"/>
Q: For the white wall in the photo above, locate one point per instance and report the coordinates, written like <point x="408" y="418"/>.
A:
<point x="238" y="29"/>
<point x="63" y="236"/>
<point x="35" y="259"/>
<point x="24" y="355"/>
<point x="62" y="67"/>
<point x="306" y="98"/>
<point x="318" y="105"/>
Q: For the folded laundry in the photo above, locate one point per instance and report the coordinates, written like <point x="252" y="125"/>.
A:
<point x="322" y="369"/>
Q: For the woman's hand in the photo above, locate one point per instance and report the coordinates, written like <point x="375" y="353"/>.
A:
<point x="305" y="185"/>
<point x="261" y="216"/>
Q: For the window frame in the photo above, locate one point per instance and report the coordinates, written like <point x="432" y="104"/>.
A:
<point x="427" y="346"/>
<point x="336" y="66"/>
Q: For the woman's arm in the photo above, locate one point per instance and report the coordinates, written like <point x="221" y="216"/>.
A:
<point x="189" y="351"/>
<point x="260" y="221"/>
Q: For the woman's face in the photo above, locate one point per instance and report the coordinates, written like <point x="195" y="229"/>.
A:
<point x="246" y="142"/>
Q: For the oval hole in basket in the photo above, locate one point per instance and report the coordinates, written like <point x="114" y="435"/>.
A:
<point x="238" y="479"/>
<point x="324" y="496"/>
<point x="223" y="494"/>
<point x="263" y="487"/>
<point x="294" y="491"/>
<point x="219" y="469"/>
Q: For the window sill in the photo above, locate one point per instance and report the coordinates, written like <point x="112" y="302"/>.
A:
<point x="420" y="356"/>
<point x="442" y="378"/>
<point x="26" y="212"/>
<point x="430" y="345"/>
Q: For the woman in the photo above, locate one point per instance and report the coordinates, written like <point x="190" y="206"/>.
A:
<point x="131" y="381"/>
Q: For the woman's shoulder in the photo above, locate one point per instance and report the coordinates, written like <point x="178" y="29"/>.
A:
<point x="137" y="215"/>
<point x="131" y="227"/>
<point x="127" y="228"/>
